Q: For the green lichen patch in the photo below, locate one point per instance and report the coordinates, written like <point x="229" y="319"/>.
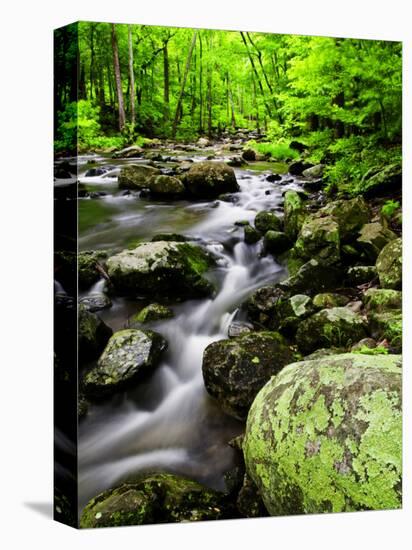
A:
<point x="325" y="436"/>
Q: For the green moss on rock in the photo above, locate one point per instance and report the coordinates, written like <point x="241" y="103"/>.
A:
<point x="389" y="265"/>
<point x="267" y="221"/>
<point x="152" y="312"/>
<point x="326" y="436"/>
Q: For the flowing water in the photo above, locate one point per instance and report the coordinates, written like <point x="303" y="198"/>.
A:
<point x="168" y="422"/>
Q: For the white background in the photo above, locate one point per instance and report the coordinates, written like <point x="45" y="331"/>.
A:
<point x="26" y="271"/>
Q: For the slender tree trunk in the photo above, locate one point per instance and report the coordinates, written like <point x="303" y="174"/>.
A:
<point x="256" y="105"/>
<point x="200" y="85"/>
<point x="256" y="75"/>
<point x="91" y="74"/>
<point x="182" y="86"/>
<point x="232" y="105"/>
<point x="166" y="83"/>
<point x="122" y="117"/>
<point x="132" y="92"/>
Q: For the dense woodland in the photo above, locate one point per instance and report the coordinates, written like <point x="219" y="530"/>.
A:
<point x="341" y="97"/>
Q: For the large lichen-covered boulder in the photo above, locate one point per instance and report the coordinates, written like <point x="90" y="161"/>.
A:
<point x="165" y="186"/>
<point x="312" y="277"/>
<point x="208" y="179"/>
<point x="350" y="215"/>
<point x="267" y="221"/>
<point x="372" y="238"/>
<point x="234" y="370"/>
<point x="161" y="268"/>
<point x="389" y="265"/>
<point x="136" y="176"/>
<point x="380" y="180"/>
<point x="128" y="354"/>
<point x="319" y="238"/>
<point x="326" y="436"/>
<point x="337" y="326"/>
<point x="156" y="498"/>
<point x="294" y="214"/>
<point x="93" y="334"/>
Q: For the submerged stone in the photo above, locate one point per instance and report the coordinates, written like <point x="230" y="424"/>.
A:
<point x="326" y="436"/>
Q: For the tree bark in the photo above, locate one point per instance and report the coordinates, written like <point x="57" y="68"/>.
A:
<point x="132" y="91"/>
<point x="256" y="75"/>
<point x="118" y="77"/>
<point x="182" y="86"/>
<point x="166" y="84"/>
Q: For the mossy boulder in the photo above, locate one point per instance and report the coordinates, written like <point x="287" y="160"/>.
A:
<point x="276" y="242"/>
<point x="297" y="167"/>
<point x="350" y="215"/>
<point x="96" y="301"/>
<point x="267" y="221"/>
<point x="129" y="152"/>
<point x="294" y="214"/>
<point x="379" y="300"/>
<point x="152" y="312"/>
<point x="208" y="179"/>
<point x="290" y="311"/>
<point x="262" y="305"/>
<point x="249" y="154"/>
<point x="361" y="274"/>
<point x="313" y="277"/>
<point x="379" y="181"/>
<point x="161" y="268"/>
<point x="251" y="235"/>
<point x="387" y="325"/>
<point x="319" y="238"/>
<point x="329" y="299"/>
<point x="93" y="334"/>
<point x="128" y="354"/>
<point x="326" y="436"/>
<point x="155" y="498"/>
<point x="136" y="176"/>
<point x="372" y="238"/>
<point x="234" y="370"/>
<point x="389" y="265"/>
<point x="337" y="326"/>
<point x="165" y="186"/>
<point x="314" y="172"/>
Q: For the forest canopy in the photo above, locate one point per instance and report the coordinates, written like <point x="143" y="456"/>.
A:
<point x="341" y="97"/>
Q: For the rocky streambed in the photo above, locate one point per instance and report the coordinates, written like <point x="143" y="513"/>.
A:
<point x="215" y="289"/>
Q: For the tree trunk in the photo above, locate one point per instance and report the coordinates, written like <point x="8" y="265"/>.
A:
<point x="232" y="105"/>
<point x="256" y="75"/>
<point x="132" y="92"/>
<point x="200" y="86"/>
<point x="182" y="86"/>
<point x="122" y="117"/>
<point x="166" y="84"/>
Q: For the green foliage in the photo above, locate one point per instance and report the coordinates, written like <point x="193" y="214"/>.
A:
<point x="277" y="151"/>
<point x="389" y="208"/>
<point x="379" y="350"/>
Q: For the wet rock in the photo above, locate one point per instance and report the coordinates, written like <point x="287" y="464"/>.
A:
<point x="294" y="214"/>
<point x="93" y="335"/>
<point x="129" y="152"/>
<point x="314" y="172"/>
<point x="238" y="328"/>
<point x="96" y="301"/>
<point x="319" y="238"/>
<point x="208" y="180"/>
<point x="276" y="242"/>
<point x="203" y="142"/>
<point x="170" y="237"/>
<point x="324" y="352"/>
<point x="381" y="180"/>
<point x="262" y="306"/>
<point x="82" y="406"/>
<point x="329" y="299"/>
<point x="234" y="370"/>
<point x="236" y="162"/>
<point x="273" y="177"/>
<point x="156" y="498"/>
<point x="373" y="237"/>
<point x="128" y="354"/>
<point x="251" y="235"/>
<point x="266" y="220"/>
<point x="87" y="267"/>
<point x="161" y="268"/>
<point x="249" y="502"/>
<point x="297" y="167"/>
<point x="389" y="265"/>
<point x="338" y="326"/>
<point x="361" y="274"/>
<point x="290" y="311"/>
<point x="249" y="155"/>
<point x="165" y="186"/>
<point x="152" y="312"/>
<point x="316" y="432"/>
<point x="313" y="277"/>
<point x="136" y="176"/>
